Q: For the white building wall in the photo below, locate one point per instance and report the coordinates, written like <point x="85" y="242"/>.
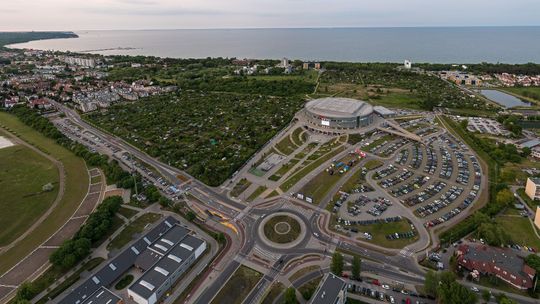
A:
<point x="200" y="250"/>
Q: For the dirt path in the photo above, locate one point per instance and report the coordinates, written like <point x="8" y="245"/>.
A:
<point x="61" y="189"/>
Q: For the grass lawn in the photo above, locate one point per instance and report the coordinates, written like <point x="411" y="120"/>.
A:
<point x="272" y="194"/>
<point x="512" y="173"/>
<point x="397" y="100"/>
<point x="318" y="187"/>
<point x="381" y="230"/>
<point x="238" y="286"/>
<point x="291" y="230"/>
<point x="95" y="179"/>
<point x="284" y="169"/>
<point x="276" y="289"/>
<point x="52" y="275"/>
<point x="256" y="193"/>
<point x="532" y="204"/>
<point x="373" y="164"/>
<point x="286" y="146"/>
<point x="298" y="136"/>
<point x="136" y="226"/>
<point x="77" y="180"/>
<point x="520" y="230"/>
<point x="291" y="181"/>
<point x="23" y="172"/>
<point x="387" y="138"/>
<point x="240" y="187"/>
<point x="307" y="290"/>
<point x="127" y="213"/>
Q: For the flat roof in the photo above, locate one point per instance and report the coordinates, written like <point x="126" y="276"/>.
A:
<point x="166" y="266"/>
<point x="329" y="290"/>
<point x="383" y="111"/>
<point x="103" y="296"/>
<point x="531" y="143"/>
<point x="114" y="268"/>
<point x="339" y="107"/>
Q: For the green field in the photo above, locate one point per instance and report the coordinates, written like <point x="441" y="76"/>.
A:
<point x="307" y="290"/>
<point x="312" y="166"/>
<point x="286" y="146"/>
<point x="77" y="180"/>
<point x="520" y="229"/>
<point x="238" y="286"/>
<point x="23" y="172"/>
<point x="397" y="100"/>
<point x="240" y="187"/>
<point x="136" y="226"/>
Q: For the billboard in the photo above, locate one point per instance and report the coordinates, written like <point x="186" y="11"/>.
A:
<point x="325" y="122"/>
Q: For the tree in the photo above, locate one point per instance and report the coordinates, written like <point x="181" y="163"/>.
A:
<point x="533" y="261"/>
<point x="486" y="295"/>
<point x="431" y="282"/>
<point x="356" y="267"/>
<point x="504" y="197"/>
<point x="337" y="264"/>
<point x="190" y="216"/>
<point x="26" y="291"/>
<point x="290" y="296"/>
<point x="464" y="124"/>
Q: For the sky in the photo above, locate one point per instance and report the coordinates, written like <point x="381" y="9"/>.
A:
<point x="23" y="15"/>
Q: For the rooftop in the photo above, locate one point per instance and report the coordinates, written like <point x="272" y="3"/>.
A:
<point x="339" y="107"/>
<point x="103" y="296"/>
<point x="329" y="290"/>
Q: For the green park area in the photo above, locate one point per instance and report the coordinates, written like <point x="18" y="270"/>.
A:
<point x="238" y="286"/>
<point x="323" y="154"/>
<point x="240" y="187"/>
<point x="137" y="226"/>
<point x="319" y="186"/>
<point x="214" y="132"/>
<point x="23" y="175"/>
<point x="382" y="84"/>
<point x="76" y="186"/>
<point x="520" y="230"/>
<point x="256" y="193"/>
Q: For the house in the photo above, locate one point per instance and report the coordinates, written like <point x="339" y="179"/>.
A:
<point x="500" y="262"/>
<point x="532" y="188"/>
<point x="40" y="103"/>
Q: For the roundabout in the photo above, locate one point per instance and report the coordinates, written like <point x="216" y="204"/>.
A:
<point x="282" y="230"/>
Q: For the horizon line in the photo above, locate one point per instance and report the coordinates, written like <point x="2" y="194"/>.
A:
<point x="283" y="28"/>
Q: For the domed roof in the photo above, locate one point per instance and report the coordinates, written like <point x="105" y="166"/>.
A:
<point x="339" y="107"/>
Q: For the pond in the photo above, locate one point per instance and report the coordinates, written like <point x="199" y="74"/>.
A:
<point x="504" y="99"/>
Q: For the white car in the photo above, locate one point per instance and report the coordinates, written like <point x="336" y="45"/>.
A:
<point x="384" y="286"/>
<point x="392" y="300"/>
<point x="475" y="289"/>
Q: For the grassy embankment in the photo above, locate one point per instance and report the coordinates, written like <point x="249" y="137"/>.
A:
<point x="76" y="186"/>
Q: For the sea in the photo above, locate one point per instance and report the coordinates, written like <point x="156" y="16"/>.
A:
<point x="418" y="44"/>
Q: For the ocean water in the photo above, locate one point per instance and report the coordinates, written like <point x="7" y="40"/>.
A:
<point x="436" y="45"/>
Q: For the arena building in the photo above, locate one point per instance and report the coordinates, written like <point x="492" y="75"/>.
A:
<point x="334" y="114"/>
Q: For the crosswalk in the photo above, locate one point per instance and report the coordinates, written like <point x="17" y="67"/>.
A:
<point x="406" y="253"/>
<point x="270" y="256"/>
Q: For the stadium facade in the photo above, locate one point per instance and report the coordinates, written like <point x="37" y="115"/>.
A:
<point x="334" y="114"/>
